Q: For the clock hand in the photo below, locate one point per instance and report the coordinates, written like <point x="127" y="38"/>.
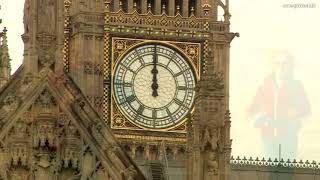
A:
<point x="154" y="72"/>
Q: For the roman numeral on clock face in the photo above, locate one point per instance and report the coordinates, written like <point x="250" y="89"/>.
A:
<point x="130" y="99"/>
<point x="154" y="114"/>
<point x="140" y="110"/>
<point x="184" y="88"/>
<point x="124" y="84"/>
<point x="169" y="114"/>
<point x="180" y="103"/>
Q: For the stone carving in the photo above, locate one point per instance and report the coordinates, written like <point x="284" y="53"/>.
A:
<point x="101" y="174"/>
<point x="44" y="168"/>
<point x="20" y="175"/>
<point x="212" y="81"/>
<point x="20" y="130"/>
<point x="61" y="79"/>
<point x="75" y="176"/>
<point x="175" y="152"/>
<point x="46" y="21"/>
<point x="147" y="152"/>
<point x="133" y="148"/>
<point x="230" y="36"/>
<point x="129" y="173"/>
<point x="70" y="157"/>
<point x="19" y="154"/>
<point x="210" y="145"/>
<point x="45" y="135"/>
<point x="26" y="16"/>
<point x="92" y="68"/>
<point x="210" y="139"/>
<point x="56" y="152"/>
<point x="212" y="164"/>
<point x="27" y="82"/>
<point x="99" y="69"/>
<point x="46" y="58"/>
<point x="44" y="72"/>
<point x="96" y="131"/>
<point x="79" y="103"/>
<point x="158" y="23"/>
<point x="87" y="165"/>
<point x="4" y="165"/>
<point x="88" y="67"/>
<point x="10" y="103"/>
<point x="211" y="113"/>
<point x="70" y="154"/>
<point x="46" y="99"/>
<point x="98" y="101"/>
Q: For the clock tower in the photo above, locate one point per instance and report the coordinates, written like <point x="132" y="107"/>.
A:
<point x="157" y="72"/>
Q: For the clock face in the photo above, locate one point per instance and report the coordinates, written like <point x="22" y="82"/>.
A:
<point x="154" y="86"/>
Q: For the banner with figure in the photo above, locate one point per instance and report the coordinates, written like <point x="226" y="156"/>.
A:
<point x="279" y="107"/>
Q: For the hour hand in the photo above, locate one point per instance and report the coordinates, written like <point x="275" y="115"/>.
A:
<point x="154" y="87"/>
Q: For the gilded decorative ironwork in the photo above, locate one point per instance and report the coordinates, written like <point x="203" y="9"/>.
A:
<point x="67" y="4"/>
<point x="120" y="46"/>
<point x="158" y="20"/>
<point x="119" y="121"/>
<point x="191" y="50"/>
<point x="182" y="127"/>
<point x="151" y="24"/>
<point x="150" y="138"/>
<point x="106" y="65"/>
<point x="205" y="55"/>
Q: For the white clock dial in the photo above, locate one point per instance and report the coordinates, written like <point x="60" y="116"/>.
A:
<point x="154" y="86"/>
<point x="166" y="90"/>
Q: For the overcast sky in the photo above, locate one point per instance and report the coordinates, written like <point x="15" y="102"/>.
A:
<point x="264" y="26"/>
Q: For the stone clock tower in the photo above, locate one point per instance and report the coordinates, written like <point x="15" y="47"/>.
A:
<point x="157" y="71"/>
<point x="105" y="79"/>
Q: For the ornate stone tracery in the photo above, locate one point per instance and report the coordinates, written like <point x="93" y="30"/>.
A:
<point x="47" y="13"/>
<point x="46" y="144"/>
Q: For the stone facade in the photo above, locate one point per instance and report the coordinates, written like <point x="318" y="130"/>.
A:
<point x="4" y="58"/>
<point x="49" y="130"/>
<point x="57" y="113"/>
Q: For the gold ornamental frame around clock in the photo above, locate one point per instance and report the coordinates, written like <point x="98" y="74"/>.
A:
<point x="120" y="46"/>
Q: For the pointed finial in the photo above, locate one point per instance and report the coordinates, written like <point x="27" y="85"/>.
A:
<point x="107" y="4"/>
<point x="4" y="37"/>
<point x="164" y="9"/>
<point x="121" y="5"/>
<point x="227" y="16"/>
<point x="135" y="6"/>
<point x="206" y="8"/>
<point x="0" y="19"/>
<point x="192" y="11"/>
<point x="149" y="7"/>
<point x="67" y="3"/>
<point x="178" y="10"/>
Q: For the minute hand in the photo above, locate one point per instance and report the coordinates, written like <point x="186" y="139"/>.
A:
<point x="154" y="72"/>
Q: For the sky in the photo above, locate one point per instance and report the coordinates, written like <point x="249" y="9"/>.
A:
<point x="11" y="13"/>
<point x="265" y="27"/>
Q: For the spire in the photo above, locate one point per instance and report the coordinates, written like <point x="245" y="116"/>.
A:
<point x="43" y="40"/>
<point x="5" y="67"/>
